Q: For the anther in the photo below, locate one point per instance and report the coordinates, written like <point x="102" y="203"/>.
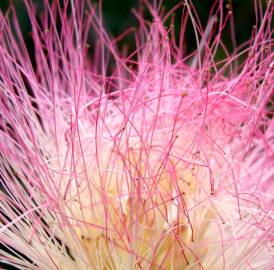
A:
<point x="184" y="94"/>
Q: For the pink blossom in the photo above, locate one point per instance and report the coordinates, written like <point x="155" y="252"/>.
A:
<point x="150" y="159"/>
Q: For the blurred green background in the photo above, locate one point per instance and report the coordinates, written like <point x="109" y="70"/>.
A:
<point x="118" y="17"/>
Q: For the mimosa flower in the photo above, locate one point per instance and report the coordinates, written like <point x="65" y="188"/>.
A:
<point x="143" y="160"/>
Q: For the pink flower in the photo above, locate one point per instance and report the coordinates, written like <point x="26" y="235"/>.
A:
<point x="145" y="160"/>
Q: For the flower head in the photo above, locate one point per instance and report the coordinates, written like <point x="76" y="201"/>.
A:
<point x="147" y="160"/>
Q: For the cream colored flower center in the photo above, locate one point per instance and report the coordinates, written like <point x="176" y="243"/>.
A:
<point x="134" y="212"/>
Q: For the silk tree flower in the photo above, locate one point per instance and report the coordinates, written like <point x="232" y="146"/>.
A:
<point x="143" y="160"/>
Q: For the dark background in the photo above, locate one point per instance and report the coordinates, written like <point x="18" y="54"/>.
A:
<point x="118" y="17"/>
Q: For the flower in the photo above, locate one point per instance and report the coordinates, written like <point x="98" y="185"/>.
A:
<point x="150" y="160"/>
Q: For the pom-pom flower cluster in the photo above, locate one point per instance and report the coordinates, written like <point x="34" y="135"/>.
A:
<point x="144" y="160"/>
